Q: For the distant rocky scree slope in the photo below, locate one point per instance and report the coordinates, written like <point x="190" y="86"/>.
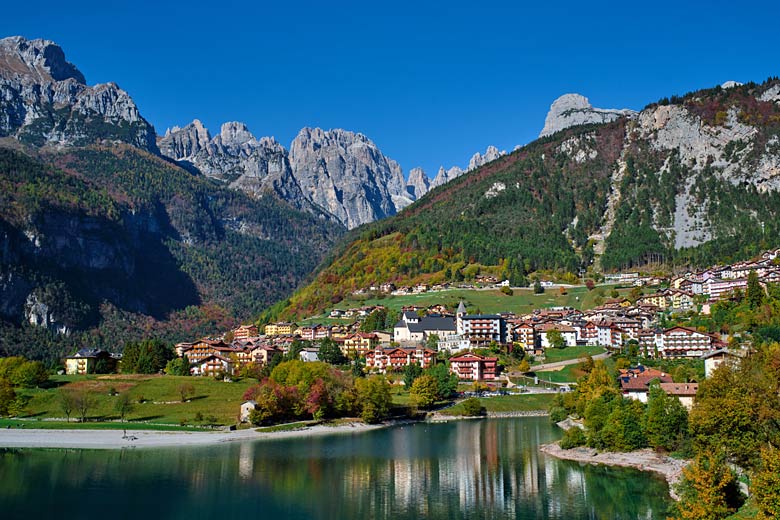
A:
<point x="692" y="179"/>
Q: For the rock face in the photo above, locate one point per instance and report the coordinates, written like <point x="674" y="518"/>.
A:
<point x="574" y="109"/>
<point x="728" y="153"/>
<point x="477" y="160"/>
<point x="444" y="176"/>
<point x="345" y="174"/>
<point x="44" y="99"/>
<point x="418" y="183"/>
<point x="39" y="314"/>
<point x="341" y="173"/>
<point x="236" y="157"/>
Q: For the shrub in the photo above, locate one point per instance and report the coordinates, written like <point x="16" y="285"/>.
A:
<point x="558" y="414"/>
<point x="472" y="407"/>
<point x="572" y="438"/>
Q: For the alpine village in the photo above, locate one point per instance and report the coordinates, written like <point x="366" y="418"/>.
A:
<point x="615" y="281"/>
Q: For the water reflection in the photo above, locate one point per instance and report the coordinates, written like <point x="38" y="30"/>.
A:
<point x="468" y="469"/>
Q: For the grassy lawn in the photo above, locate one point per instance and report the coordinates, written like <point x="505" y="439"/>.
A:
<point x="568" y="374"/>
<point x="217" y="402"/>
<point x="553" y="355"/>
<point x="509" y="403"/>
<point x="523" y="301"/>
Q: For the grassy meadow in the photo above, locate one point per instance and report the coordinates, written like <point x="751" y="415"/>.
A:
<point x="156" y="401"/>
<point x="523" y="301"/>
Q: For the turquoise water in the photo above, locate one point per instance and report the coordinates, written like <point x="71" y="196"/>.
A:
<point x="463" y="469"/>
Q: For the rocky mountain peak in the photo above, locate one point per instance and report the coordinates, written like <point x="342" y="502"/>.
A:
<point x="184" y="143"/>
<point x="346" y="174"/>
<point x="41" y="60"/>
<point x="237" y="158"/>
<point x="45" y="101"/>
<point x="235" y="133"/>
<point x="491" y="154"/>
<point x="731" y="84"/>
<point x="575" y="109"/>
<point x="418" y="183"/>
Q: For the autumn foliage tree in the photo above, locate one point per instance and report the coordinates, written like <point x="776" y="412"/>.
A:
<point x="424" y="391"/>
<point x="766" y="484"/>
<point x="708" y="490"/>
<point x="296" y="390"/>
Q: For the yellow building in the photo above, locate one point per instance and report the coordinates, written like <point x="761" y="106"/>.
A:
<point x="660" y="300"/>
<point x="85" y="361"/>
<point x="359" y="344"/>
<point x="280" y="329"/>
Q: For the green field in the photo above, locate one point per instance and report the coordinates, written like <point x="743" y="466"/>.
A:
<point x="216" y="402"/>
<point x="553" y="355"/>
<point x="523" y="301"/>
<point x="509" y="403"/>
<point x="568" y="374"/>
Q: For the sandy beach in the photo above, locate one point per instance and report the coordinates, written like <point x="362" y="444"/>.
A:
<point x="644" y="460"/>
<point x="114" y="439"/>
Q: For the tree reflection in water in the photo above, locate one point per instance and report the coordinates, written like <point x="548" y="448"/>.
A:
<point x="466" y="469"/>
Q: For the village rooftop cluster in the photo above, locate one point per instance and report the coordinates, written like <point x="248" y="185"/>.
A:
<point x="424" y="336"/>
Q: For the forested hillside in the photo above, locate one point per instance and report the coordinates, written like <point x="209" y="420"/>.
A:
<point x="100" y="245"/>
<point x="692" y="179"/>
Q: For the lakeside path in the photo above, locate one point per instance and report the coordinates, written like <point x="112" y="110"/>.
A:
<point x="644" y="460"/>
<point x="113" y="439"/>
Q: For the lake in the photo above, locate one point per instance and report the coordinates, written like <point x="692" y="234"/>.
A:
<point x="461" y="469"/>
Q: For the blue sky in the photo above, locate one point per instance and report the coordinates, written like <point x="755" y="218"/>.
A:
<point x="430" y="82"/>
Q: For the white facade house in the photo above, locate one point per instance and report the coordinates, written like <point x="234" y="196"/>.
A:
<point x="569" y="334"/>
<point x="246" y="409"/>
<point x="684" y="342"/>
<point x="454" y="343"/>
<point x="415" y="329"/>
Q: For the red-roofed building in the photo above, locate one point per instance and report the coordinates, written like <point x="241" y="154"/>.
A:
<point x="685" y="342"/>
<point x="245" y="331"/>
<point x="635" y="382"/>
<point x="394" y="359"/>
<point x="211" y="366"/>
<point x="475" y="368"/>
<point x="204" y="348"/>
<point x="685" y="392"/>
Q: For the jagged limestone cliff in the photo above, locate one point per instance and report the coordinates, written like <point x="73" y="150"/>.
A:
<point x="44" y="99"/>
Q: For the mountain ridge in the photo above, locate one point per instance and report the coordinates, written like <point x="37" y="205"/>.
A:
<point x="691" y="179"/>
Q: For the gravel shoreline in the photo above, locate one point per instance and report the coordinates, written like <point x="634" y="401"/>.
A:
<point x="440" y="417"/>
<point x="114" y="439"/>
<point x="644" y="460"/>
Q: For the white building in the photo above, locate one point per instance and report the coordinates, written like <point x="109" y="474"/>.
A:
<point x="684" y="342"/>
<point x="415" y="329"/>
<point x="454" y="343"/>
